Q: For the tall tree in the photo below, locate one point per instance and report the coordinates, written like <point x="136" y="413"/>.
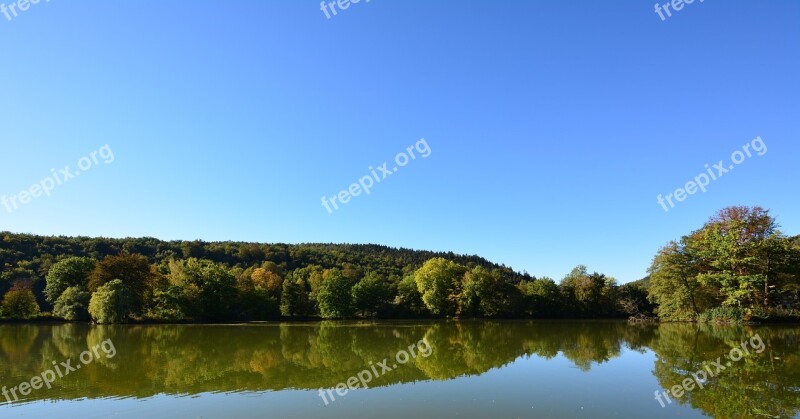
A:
<point x="372" y="295"/>
<point x="209" y="288"/>
<point x="111" y="303"/>
<point x="583" y="292"/>
<point x="674" y="284"/>
<point x="267" y="280"/>
<point x="294" y="300"/>
<point x="486" y="293"/>
<point x="543" y="298"/>
<point x="69" y="272"/>
<point x="732" y="242"/>
<point x="335" y="299"/>
<point x="73" y="304"/>
<point x="737" y="259"/>
<point x="19" y="302"/>
<point x="135" y="273"/>
<point x="439" y="282"/>
<point x="408" y="301"/>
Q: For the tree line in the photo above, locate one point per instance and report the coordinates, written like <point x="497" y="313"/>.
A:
<point x="737" y="267"/>
<point x="123" y="280"/>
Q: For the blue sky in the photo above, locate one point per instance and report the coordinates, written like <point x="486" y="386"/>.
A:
<point x="552" y="126"/>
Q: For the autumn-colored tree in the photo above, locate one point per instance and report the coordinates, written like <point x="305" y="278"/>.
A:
<point x="267" y="280"/>
<point x="135" y="273"/>
<point x="19" y="302"/>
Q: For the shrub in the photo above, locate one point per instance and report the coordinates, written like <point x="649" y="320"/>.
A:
<point x="722" y="315"/>
<point x="73" y="304"/>
<point x="110" y="303"/>
<point x="774" y="315"/>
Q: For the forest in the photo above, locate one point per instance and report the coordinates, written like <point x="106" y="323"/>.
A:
<point x="737" y="267"/>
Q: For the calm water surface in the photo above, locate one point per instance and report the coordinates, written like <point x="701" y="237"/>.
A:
<point x="475" y="369"/>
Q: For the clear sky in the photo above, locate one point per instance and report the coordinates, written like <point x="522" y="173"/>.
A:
<point x="552" y="126"/>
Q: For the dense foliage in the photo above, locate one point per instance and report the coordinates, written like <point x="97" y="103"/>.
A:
<point x="738" y="266"/>
<point x="118" y="280"/>
<point x="738" y="259"/>
<point x="19" y="302"/>
<point x="73" y="304"/>
<point x="111" y="303"/>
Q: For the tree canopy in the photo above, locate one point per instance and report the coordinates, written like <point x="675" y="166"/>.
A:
<point x="738" y="265"/>
<point x="738" y="260"/>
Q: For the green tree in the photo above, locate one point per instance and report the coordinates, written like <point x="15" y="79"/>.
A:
<point x="210" y="289"/>
<point x="19" y="302"/>
<point x="311" y="278"/>
<point x="485" y="293"/>
<point x="439" y="282"/>
<point x="583" y="292"/>
<point x="73" y="304"/>
<point x="294" y="300"/>
<point x="169" y="303"/>
<point x="738" y="259"/>
<point x="409" y="300"/>
<point x="372" y="295"/>
<point x="733" y="244"/>
<point x="111" y="303"/>
<point x="674" y="285"/>
<point x="335" y="299"/>
<point x="543" y="298"/>
<point x="69" y="272"/>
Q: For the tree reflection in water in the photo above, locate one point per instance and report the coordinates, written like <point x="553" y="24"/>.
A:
<point x="192" y="359"/>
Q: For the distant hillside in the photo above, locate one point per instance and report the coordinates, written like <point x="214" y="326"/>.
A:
<point x="643" y="283"/>
<point x="29" y="257"/>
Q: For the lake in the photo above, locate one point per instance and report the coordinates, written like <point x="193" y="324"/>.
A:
<point x="416" y="369"/>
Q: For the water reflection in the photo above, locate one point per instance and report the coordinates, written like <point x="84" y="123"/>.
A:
<point x="193" y="359"/>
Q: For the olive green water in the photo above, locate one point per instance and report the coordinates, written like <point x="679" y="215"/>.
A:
<point x="475" y="369"/>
